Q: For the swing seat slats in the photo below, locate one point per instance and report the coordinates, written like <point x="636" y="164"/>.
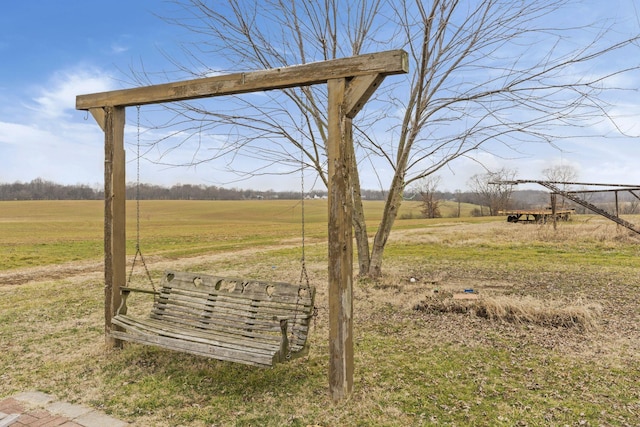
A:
<point x="244" y="321"/>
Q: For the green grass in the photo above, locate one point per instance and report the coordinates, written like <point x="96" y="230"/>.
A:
<point x="37" y="233"/>
<point x="412" y="368"/>
<point x="45" y="233"/>
<point x="403" y="376"/>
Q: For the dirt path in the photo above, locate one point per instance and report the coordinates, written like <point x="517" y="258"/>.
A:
<point x="83" y="269"/>
<point x="86" y="269"/>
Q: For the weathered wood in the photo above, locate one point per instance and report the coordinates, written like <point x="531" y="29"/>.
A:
<point x="114" y="214"/>
<point x="244" y="321"/>
<point x="204" y="350"/>
<point x="211" y="337"/>
<point x="359" y="91"/>
<point x="385" y="63"/>
<point x="99" y="116"/>
<point x="340" y="245"/>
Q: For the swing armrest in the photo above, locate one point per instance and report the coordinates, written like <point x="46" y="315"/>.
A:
<point x="125" y="291"/>
<point x="284" y="341"/>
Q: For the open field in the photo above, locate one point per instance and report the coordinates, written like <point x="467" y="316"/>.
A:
<point x="413" y="367"/>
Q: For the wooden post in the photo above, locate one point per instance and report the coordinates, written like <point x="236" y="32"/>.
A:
<point x="617" y="209"/>
<point x="114" y="215"/>
<point x="553" y="209"/>
<point x="340" y="245"/>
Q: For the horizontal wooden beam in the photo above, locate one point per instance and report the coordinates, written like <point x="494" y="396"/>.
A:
<point x="382" y="63"/>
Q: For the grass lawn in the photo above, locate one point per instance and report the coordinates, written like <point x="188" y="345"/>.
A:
<point x="412" y="367"/>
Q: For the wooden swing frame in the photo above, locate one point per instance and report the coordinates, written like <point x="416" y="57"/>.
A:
<point x="350" y="82"/>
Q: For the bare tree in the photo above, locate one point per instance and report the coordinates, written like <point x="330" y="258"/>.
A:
<point x="491" y="74"/>
<point x="427" y="189"/>
<point x="631" y="207"/>
<point x="458" y="200"/>
<point x="562" y="174"/>
<point x="492" y="191"/>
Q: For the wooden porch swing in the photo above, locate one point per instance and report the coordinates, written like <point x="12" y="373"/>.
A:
<point x="236" y="320"/>
<point x="350" y="81"/>
<point x="243" y="321"/>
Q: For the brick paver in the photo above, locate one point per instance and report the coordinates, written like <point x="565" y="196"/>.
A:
<point x="35" y="409"/>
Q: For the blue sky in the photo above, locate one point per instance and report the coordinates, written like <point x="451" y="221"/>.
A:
<point x="51" y="51"/>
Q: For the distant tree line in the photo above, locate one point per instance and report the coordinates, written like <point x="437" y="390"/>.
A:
<point x="40" y="189"/>
<point x="489" y="202"/>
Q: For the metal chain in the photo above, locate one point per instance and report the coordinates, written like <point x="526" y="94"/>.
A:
<point x="303" y="273"/>
<point x="138" y="251"/>
<point x="138" y="182"/>
<point x="303" y="267"/>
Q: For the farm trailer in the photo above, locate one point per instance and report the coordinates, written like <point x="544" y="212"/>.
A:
<point x="539" y="216"/>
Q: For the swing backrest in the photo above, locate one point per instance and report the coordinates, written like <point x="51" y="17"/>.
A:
<point x="235" y="306"/>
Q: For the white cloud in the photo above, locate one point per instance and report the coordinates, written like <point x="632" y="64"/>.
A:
<point x="65" y="153"/>
<point x="47" y="138"/>
<point x="20" y="134"/>
<point x="59" y="97"/>
<point x="117" y="48"/>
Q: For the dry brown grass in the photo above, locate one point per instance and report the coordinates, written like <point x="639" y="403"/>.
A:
<point x="518" y="310"/>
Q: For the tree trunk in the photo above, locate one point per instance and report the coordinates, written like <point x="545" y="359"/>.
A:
<point x="359" y="224"/>
<point x="391" y="207"/>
